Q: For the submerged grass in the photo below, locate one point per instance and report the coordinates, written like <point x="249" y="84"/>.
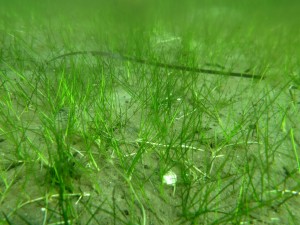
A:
<point x="90" y="140"/>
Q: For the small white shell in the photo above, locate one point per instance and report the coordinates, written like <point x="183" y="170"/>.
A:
<point x="170" y="178"/>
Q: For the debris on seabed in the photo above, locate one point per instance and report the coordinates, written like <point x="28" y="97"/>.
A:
<point x="170" y="179"/>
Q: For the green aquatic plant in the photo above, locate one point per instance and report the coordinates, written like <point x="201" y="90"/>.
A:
<point x="148" y="123"/>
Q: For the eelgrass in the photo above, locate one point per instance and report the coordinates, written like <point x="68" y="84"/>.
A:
<point x="89" y="139"/>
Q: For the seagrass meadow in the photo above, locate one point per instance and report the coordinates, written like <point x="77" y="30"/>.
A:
<point x="149" y="112"/>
